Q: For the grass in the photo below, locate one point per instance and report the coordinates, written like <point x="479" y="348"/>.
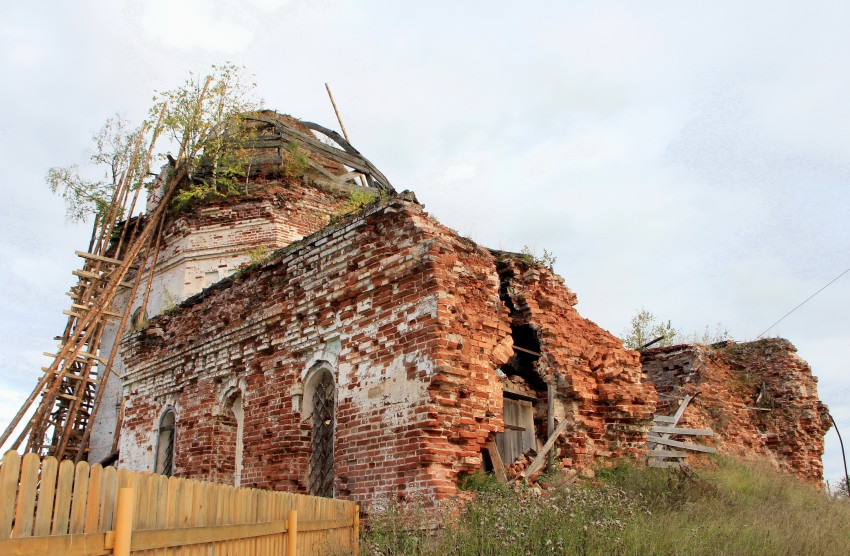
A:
<point x="732" y="509"/>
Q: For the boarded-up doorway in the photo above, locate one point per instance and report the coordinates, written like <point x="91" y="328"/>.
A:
<point x="519" y="428"/>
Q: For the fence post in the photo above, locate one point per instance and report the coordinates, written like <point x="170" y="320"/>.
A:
<point x="292" y="533"/>
<point x="124" y="522"/>
<point x="357" y="529"/>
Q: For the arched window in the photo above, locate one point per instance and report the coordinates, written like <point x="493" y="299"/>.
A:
<point x="322" y="395"/>
<point x="165" y="444"/>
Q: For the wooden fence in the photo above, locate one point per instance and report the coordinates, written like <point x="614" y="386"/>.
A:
<point x="47" y="507"/>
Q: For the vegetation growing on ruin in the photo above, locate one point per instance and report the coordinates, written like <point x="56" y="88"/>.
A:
<point x="644" y="328"/>
<point x="204" y="117"/>
<point x="258" y="254"/>
<point x="546" y="258"/>
<point x="732" y="509"/>
<point x="358" y="201"/>
<point x="203" y="120"/>
<point x="113" y="156"/>
<point x="295" y="163"/>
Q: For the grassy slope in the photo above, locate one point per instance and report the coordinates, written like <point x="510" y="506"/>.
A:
<point x="733" y="509"/>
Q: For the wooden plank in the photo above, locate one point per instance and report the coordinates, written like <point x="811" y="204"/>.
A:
<point x="173" y="505"/>
<point x="106" y="315"/>
<point x="682" y="445"/>
<point x="674" y="420"/>
<point x="78" y="503"/>
<point x="87" y="307"/>
<point x="153" y="498"/>
<point x="140" y="503"/>
<point x="100" y="258"/>
<point x="109" y="496"/>
<point x="68" y="376"/>
<point x="517" y="348"/>
<point x="681" y="430"/>
<point x="9" y="473"/>
<point x="324" y="524"/>
<point x="161" y="508"/>
<point x="185" y="516"/>
<point x="62" y="506"/>
<point x="666" y="454"/>
<point x="80" y="355"/>
<point x="94" y="276"/>
<point x="46" y="494"/>
<point x="92" y="544"/>
<point x="496" y="460"/>
<point x="677" y="464"/>
<point x="184" y="536"/>
<point x="25" y="508"/>
<point x="541" y="456"/>
<point x="667" y="419"/>
<point x="93" y="499"/>
<point x="682" y="407"/>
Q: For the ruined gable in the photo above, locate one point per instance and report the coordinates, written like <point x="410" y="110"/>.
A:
<point x="760" y="398"/>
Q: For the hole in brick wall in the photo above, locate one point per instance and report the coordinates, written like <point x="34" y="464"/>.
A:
<point x="486" y="461"/>
<point x="522" y="364"/>
<point x="228" y="437"/>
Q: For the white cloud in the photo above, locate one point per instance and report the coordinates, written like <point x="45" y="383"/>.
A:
<point x="225" y="26"/>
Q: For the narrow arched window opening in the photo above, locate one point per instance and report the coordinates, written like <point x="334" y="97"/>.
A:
<point x="323" y="398"/>
<point x="230" y="430"/>
<point x="239" y="416"/>
<point x="165" y="445"/>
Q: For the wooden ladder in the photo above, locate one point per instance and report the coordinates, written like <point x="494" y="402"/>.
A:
<point x="70" y="389"/>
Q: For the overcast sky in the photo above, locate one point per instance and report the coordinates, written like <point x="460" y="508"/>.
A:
<point x="690" y="158"/>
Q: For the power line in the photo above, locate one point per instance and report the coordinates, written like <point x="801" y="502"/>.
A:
<point x="803" y="303"/>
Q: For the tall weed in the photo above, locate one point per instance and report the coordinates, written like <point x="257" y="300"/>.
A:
<point x="731" y="509"/>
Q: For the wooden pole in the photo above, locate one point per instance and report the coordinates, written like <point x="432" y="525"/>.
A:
<point x="124" y="522"/>
<point x="292" y="533"/>
<point x="342" y="127"/>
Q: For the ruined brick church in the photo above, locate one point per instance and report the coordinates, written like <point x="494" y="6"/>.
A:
<point x="293" y="344"/>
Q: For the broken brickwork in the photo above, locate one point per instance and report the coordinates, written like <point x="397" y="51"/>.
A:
<point x="760" y="398"/>
<point x="599" y="384"/>
<point x="417" y="327"/>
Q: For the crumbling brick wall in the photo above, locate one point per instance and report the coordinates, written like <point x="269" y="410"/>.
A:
<point x="760" y="398"/>
<point x="599" y="384"/>
<point x="415" y="323"/>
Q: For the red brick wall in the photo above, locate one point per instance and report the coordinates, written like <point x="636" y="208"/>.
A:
<point x="358" y="295"/>
<point x="409" y="316"/>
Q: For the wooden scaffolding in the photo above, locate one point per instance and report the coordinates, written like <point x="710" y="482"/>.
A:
<point x="123" y="253"/>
